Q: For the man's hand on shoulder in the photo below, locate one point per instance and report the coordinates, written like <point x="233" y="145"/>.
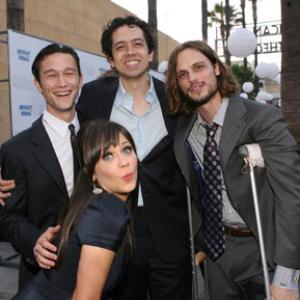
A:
<point x="44" y="250"/>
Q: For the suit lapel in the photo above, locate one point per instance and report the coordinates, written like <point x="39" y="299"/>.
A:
<point x="44" y="152"/>
<point x="183" y="155"/>
<point x="160" y="92"/>
<point x="181" y="150"/>
<point x="232" y="128"/>
<point x="107" y="89"/>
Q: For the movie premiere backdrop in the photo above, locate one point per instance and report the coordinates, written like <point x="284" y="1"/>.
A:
<point x="26" y="102"/>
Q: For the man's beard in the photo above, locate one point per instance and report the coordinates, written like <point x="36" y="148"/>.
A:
<point x="196" y="103"/>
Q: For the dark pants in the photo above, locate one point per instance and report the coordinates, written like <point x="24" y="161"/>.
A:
<point x="237" y="274"/>
<point x="148" y="276"/>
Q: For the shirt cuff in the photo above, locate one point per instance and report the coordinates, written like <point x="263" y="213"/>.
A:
<point x="286" y="278"/>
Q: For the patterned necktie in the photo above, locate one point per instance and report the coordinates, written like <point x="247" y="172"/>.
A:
<point x="76" y="159"/>
<point x="213" y="228"/>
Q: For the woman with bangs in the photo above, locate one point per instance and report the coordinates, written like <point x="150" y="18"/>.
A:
<point x="95" y="237"/>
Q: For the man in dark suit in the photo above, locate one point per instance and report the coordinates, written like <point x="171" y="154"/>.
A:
<point x="40" y="159"/>
<point x="160" y="266"/>
<point x="201" y="91"/>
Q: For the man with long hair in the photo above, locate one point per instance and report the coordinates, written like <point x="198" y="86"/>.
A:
<point x="213" y="123"/>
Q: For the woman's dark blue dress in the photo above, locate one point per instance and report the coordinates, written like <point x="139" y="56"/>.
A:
<point x="103" y="224"/>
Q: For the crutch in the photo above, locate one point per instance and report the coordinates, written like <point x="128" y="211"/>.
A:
<point x="192" y="245"/>
<point x="251" y="153"/>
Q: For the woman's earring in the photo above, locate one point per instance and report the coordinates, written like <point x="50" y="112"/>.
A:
<point x="97" y="190"/>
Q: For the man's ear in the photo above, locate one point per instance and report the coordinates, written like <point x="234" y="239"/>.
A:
<point x="217" y="70"/>
<point x="38" y="86"/>
<point x="111" y="62"/>
<point x="151" y="54"/>
<point x="80" y="80"/>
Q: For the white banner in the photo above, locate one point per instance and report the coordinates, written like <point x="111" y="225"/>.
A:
<point x="26" y="103"/>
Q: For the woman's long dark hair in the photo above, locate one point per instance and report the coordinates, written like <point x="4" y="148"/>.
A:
<point x="94" y="138"/>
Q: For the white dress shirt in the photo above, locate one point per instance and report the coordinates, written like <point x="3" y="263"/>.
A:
<point x="59" y="134"/>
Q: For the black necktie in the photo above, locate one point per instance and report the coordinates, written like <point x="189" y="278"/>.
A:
<point x="76" y="159"/>
<point x="213" y="228"/>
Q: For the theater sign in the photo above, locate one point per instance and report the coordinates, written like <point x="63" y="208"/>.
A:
<point x="268" y="37"/>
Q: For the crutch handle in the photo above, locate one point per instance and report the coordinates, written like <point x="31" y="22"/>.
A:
<point x="252" y="155"/>
<point x="243" y="151"/>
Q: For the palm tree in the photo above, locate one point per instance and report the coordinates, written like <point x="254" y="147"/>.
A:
<point x="227" y="30"/>
<point x="152" y="21"/>
<point x="218" y="16"/>
<point x="290" y="66"/>
<point x="204" y="20"/>
<point x="243" y="6"/>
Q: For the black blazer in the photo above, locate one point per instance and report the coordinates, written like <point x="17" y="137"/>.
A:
<point x="278" y="185"/>
<point x="40" y="195"/>
<point x="161" y="182"/>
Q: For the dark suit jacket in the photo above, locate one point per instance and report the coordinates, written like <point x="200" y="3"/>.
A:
<point x="278" y="185"/>
<point x="162" y="184"/>
<point x="40" y="194"/>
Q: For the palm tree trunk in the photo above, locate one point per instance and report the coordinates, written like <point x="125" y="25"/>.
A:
<point x="204" y="20"/>
<point x="227" y="32"/>
<point x="152" y="21"/>
<point x="290" y="65"/>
